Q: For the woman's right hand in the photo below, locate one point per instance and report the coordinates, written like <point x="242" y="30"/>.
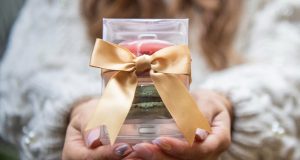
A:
<point x="86" y="145"/>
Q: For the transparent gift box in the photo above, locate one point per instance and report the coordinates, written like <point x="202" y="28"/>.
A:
<point x="148" y="117"/>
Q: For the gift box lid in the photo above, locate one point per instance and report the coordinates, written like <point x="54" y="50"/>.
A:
<point x="174" y="31"/>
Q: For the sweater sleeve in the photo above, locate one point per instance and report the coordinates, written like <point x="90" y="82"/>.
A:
<point x="44" y="72"/>
<point x="265" y="92"/>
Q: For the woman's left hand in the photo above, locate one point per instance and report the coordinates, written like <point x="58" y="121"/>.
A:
<point x="218" y="111"/>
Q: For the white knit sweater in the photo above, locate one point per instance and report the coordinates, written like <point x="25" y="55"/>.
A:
<point x="45" y="70"/>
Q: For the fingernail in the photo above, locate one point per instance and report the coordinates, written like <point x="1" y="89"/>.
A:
<point x="201" y="134"/>
<point x="142" y="149"/>
<point x="93" y="138"/>
<point x="162" y="144"/>
<point x="123" y="150"/>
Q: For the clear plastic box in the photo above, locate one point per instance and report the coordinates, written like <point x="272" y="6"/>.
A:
<point x="148" y="118"/>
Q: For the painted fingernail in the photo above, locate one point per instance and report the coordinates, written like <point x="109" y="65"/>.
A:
<point x="93" y="138"/>
<point x="123" y="150"/>
<point x="162" y="144"/>
<point x="140" y="148"/>
<point x="201" y="134"/>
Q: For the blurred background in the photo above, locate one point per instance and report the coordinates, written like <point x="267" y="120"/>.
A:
<point x="9" y="10"/>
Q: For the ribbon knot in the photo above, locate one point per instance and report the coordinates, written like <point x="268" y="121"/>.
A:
<point x="142" y="63"/>
<point x="118" y="95"/>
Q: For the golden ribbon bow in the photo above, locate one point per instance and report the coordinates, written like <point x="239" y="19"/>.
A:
<point x="118" y="95"/>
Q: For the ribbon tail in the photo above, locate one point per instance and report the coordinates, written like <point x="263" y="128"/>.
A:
<point x="114" y="104"/>
<point x="180" y="104"/>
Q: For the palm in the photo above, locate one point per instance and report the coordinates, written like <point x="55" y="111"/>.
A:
<point x="214" y="107"/>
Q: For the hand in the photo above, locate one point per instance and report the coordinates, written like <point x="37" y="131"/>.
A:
<point x="218" y="111"/>
<point x="86" y="145"/>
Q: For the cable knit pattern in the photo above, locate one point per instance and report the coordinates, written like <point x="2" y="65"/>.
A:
<point x="266" y="108"/>
<point x="266" y="92"/>
<point x="45" y="70"/>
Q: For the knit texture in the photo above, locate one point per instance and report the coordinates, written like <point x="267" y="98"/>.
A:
<point x="266" y="91"/>
<point x="45" y="71"/>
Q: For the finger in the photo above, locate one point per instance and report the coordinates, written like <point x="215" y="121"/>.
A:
<point x="219" y="139"/>
<point x="218" y="113"/>
<point x="106" y="152"/>
<point x="148" y="151"/>
<point x="92" y="137"/>
<point x="181" y="149"/>
<point x="75" y="148"/>
<point x="175" y="147"/>
<point x="201" y="135"/>
<point x="178" y="147"/>
<point x="114" y="152"/>
<point x="216" y="142"/>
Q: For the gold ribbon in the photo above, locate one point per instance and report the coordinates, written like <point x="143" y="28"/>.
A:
<point x="165" y="65"/>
